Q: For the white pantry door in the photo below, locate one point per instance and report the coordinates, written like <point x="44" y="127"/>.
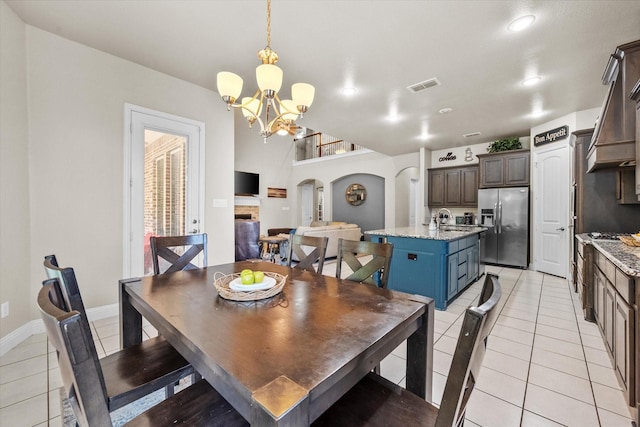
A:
<point x="552" y="191"/>
<point x="164" y="185"/>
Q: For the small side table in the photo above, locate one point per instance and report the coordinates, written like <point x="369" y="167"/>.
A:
<point x="271" y="246"/>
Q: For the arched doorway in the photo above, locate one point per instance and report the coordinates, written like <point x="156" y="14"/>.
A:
<point x="369" y="214"/>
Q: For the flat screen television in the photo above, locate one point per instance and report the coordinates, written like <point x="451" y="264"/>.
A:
<point x="246" y="183"/>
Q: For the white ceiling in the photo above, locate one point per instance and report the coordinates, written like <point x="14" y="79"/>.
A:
<point x="378" y="46"/>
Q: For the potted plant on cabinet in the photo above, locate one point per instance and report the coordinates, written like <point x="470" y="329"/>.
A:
<point x="506" y="144"/>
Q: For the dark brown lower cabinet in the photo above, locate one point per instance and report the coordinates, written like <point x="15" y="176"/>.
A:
<point x="624" y="341"/>
<point x="616" y="313"/>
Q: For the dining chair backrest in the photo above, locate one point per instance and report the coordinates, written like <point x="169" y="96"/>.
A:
<point x="80" y="368"/>
<point x="67" y="284"/>
<point x="375" y="272"/>
<point x="165" y="250"/>
<point x="308" y="250"/>
<point x="469" y="353"/>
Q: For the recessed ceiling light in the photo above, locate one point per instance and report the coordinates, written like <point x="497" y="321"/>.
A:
<point x="530" y="81"/>
<point x="348" y="91"/>
<point x="521" y="23"/>
<point x="538" y="113"/>
<point x="445" y="110"/>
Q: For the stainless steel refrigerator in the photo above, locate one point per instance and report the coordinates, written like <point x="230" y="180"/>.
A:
<point x="505" y="214"/>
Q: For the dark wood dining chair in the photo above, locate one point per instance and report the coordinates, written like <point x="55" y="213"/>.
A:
<point x="86" y="384"/>
<point x="163" y="249"/>
<point x="300" y="246"/>
<point x="377" y="402"/>
<point x="135" y="371"/>
<point x="348" y="251"/>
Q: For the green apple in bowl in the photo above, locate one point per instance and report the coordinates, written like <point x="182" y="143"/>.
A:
<point x="258" y="276"/>
<point x="247" y="278"/>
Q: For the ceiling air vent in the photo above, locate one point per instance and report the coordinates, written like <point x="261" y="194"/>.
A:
<point x="418" y="87"/>
<point x="469" y="135"/>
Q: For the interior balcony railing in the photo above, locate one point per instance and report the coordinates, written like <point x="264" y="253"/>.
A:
<point x="317" y="145"/>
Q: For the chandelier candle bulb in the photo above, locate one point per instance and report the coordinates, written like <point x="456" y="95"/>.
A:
<point x="302" y="94"/>
<point x="229" y="87"/>
<point x="252" y="109"/>
<point x="269" y="78"/>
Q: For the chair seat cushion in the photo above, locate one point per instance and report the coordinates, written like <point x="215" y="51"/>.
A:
<point x="376" y="402"/>
<point x="196" y="405"/>
<point x="138" y="370"/>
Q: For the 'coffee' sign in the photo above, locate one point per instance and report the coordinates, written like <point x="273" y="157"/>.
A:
<point x="449" y="157"/>
<point x="552" y="135"/>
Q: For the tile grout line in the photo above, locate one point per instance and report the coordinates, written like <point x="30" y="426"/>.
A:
<point x="593" y="394"/>
<point x="535" y="327"/>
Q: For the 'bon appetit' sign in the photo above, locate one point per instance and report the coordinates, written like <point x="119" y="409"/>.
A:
<point x="552" y="135"/>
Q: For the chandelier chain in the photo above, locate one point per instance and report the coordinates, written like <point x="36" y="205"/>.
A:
<point x="269" y="23"/>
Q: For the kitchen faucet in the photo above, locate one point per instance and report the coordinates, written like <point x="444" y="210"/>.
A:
<point x="447" y="211"/>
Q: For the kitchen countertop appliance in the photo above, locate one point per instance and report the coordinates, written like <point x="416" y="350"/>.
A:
<point x="468" y="218"/>
<point x="505" y="214"/>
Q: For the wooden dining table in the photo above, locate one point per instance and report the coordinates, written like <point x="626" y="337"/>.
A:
<point x="284" y="360"/>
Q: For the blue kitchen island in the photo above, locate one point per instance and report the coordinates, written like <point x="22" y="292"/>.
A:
<point x="439" y="264"/>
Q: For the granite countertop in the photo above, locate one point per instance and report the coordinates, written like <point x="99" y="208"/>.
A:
<point x="625" y="257"/>
<point x="423" y="232"/>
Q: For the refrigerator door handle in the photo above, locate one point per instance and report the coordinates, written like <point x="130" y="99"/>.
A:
<point x="495" y="218"/>
<point x="499" y="217"/>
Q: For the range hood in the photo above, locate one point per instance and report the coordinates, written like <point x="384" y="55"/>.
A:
<point x="613" y="142"/>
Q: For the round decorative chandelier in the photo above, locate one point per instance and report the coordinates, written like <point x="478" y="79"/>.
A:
<point x="279" y="116"/>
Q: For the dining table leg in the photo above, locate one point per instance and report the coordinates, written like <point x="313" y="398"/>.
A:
<point x="420" y="353"/>
<point x="130" y="318"/>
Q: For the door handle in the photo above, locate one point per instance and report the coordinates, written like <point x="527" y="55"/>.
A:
<point x="560" y="229"/>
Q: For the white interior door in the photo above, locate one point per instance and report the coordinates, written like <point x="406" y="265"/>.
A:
<point x="306" y="204"/>
<point x="552" y="232"/>
<point x="164" y="189"/>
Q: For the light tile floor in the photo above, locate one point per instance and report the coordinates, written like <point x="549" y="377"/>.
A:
<point x="545" y="365"/>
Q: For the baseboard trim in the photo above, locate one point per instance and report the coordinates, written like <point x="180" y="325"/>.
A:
<point x="33" y="327"/>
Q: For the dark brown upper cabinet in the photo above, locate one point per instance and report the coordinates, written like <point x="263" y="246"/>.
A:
<point x="453" y="187"/>
<point x="504" y="169"/>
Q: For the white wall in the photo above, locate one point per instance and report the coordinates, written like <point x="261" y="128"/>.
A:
<point x="408" y="168"/>
<point x="586" y="119"/>
<point x="76" y="103"/>
<point x="14" y="173"/>
<point x="437" y="156"/>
